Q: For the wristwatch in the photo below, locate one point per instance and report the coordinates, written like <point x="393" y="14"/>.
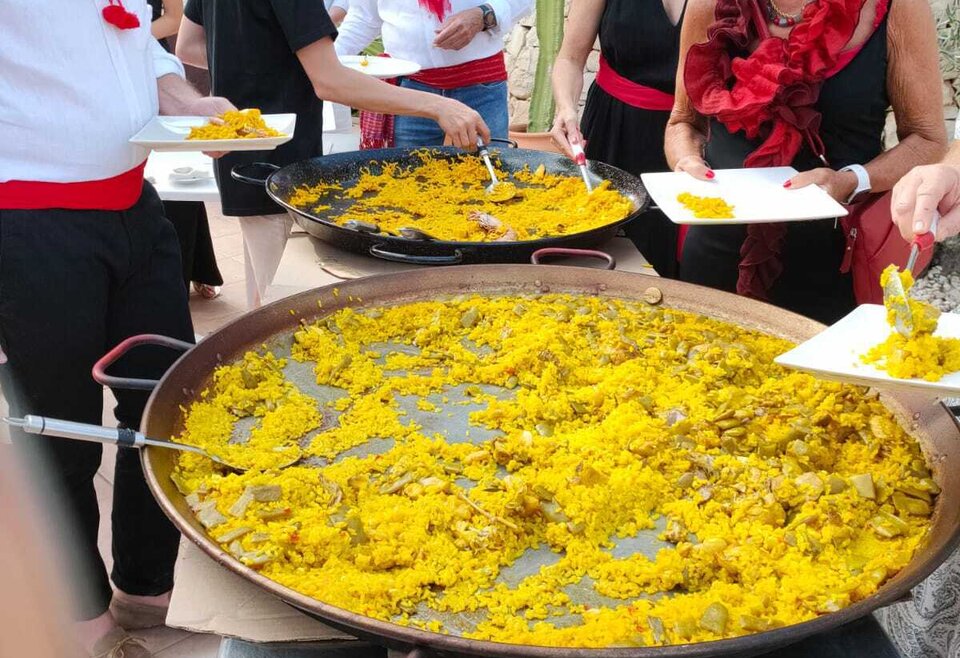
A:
<point x="489" y="17"/>
<point x="863" y="183"/>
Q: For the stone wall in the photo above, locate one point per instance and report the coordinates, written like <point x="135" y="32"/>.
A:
<point x="523" y="47"/>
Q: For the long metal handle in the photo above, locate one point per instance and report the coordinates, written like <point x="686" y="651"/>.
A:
<point x="100" y="367"/>
<point x="485" y="154"/>
<point x="68" y="429"/>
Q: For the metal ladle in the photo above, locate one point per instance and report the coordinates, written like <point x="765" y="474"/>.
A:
<point x="894" y="296"/>
<point x="122" y="437"/>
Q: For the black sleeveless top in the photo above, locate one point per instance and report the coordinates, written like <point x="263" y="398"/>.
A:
<point x="641" y="44"/>
<point x="853" y="105"/>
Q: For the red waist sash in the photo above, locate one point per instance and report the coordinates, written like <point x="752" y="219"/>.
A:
<point x="480" y="71"/>
<point x="120" y="192"/>
<point x="631" y="93"/>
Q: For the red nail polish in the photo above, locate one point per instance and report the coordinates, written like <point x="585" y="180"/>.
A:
<point x="710" y="174"/>
<point x="788" y="183"/>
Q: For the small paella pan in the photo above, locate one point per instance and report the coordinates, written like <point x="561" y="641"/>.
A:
<point x="368" y="201"/>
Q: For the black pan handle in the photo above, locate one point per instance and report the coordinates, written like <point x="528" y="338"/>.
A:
<point x="509" y="142"/>
<point x="248" y="173"/>
<point x="538" y="255"/>
<point x="378" y="251"/>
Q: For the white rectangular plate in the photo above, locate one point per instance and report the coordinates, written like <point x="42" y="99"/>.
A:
<point x="835" y="353"/>
<point x="170" y="134"/>
<point x="381" y="67"/>
<point x="757" y="196"/>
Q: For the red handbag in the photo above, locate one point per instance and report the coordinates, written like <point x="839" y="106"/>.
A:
<point x="873" y="243"/>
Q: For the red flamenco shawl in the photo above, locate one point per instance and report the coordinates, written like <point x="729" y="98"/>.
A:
<point x="768" y="95"/>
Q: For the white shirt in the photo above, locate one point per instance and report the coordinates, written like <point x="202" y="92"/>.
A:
<point x="74" y="89"/>
<point x="409" y="30"/>
<point x="330" y="4"/>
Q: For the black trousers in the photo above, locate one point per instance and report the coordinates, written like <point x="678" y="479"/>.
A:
<point x="189" y="219"/>
<point x="72" y="285"/>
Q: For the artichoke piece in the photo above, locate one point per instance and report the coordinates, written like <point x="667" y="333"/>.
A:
<point x="912" y="506"/>
<point x="863" y="483"/>
<point x="266" y="493"/>
<point x="888" y="525"/>
<point x="657" y="628"/>
<point x="208" y="514"/>
<point x="233" y="535"/>
<point x="835" y="484"/>
<point x="715" y="618"/>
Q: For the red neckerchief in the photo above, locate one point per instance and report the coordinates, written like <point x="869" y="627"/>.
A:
<point x="769" y="94"/>
<point x="117" y="15"/>
<point x="438" y="8"/>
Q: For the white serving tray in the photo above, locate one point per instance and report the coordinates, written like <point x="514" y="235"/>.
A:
<point x="757" y="195"/>
<point x="835" y="353"/>
<point x="381" y="67"/>
<point x="169" y="133"/>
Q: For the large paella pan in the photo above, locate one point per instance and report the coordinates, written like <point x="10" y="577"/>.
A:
<point x="421" y="627"/>
<point x="341" y="172"/>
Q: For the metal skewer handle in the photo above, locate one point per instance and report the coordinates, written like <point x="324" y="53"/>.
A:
<point x="67" y="429"/>
<point x="485" y="154"/>
<point x="580" y="157"/>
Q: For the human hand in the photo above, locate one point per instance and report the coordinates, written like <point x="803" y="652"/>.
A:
<point x="922" y="192"/>
<point x="462" y="125"/>
<point x="566" y="132"/>
<point x="695" y="166"/>
<point x="838" y="184"/>
<point x="459" y="29"/>
<point x="211" y="107"/>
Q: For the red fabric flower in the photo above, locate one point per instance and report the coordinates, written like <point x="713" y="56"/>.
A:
<point x="117" y="15"/>
<point x="438" y="8"/>
<point x="769" y="94"/>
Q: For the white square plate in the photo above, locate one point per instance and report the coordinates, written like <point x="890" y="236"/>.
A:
<point x="170" y="134"/>
<point x="757" y="196"/>
<point x="380" y="67"/>
<point x="835" y="353"/>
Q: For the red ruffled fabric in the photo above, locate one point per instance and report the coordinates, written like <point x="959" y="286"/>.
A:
<point x="439" y="8"/>
<point x="769" y="95"/>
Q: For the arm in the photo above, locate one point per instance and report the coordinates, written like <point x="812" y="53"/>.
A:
<point x="168" y="24"/>
<point x="582" y="27"/>
<point x="192" y="44"/>
<point x="360" y="28"/>
<point x="458" y="30"/>
<point x="686" y="134"/>
<point x="337" y="14"/>
<point x="913" y="83"/>
<point x="335" y="82"/>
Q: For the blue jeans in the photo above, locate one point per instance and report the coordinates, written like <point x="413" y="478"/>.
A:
<point x="490" y="100"/>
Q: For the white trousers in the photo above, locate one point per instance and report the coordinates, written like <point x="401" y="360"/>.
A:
<point x="264" y="238"/>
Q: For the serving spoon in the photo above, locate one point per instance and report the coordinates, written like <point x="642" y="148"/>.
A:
<point x="894" y="296"/>
<point x="125" y="438"/>
<point x="498" y="191"/>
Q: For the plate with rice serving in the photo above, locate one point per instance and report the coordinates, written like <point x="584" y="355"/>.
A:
<point x="242" y="130"/>
<point x="380" y="67"/>
<point x="864" y="349"/>
<point x="739" y="196"/>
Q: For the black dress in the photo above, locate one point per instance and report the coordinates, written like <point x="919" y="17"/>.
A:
<point x="853" y="103"/>
<point x="189" y="218"/>
<point x="641" y="44"/>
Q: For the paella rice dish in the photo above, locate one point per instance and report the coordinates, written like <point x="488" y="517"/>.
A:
<point x="706" y="207"/>
<point x="444" y="198"/>
<point x="673" y="484"/>
<point x="921" y="354"/>
<point x="238" y="124"/>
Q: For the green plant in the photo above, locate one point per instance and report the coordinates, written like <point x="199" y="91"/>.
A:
<point x="550" y="33"/>
<point x="375" y="49"/>
<point x="948" y="36"/>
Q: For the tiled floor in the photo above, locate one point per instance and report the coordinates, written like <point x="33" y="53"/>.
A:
<point x="208" y="314"/>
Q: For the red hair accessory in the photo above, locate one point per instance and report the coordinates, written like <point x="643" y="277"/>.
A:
<point x="117" y="15"/>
